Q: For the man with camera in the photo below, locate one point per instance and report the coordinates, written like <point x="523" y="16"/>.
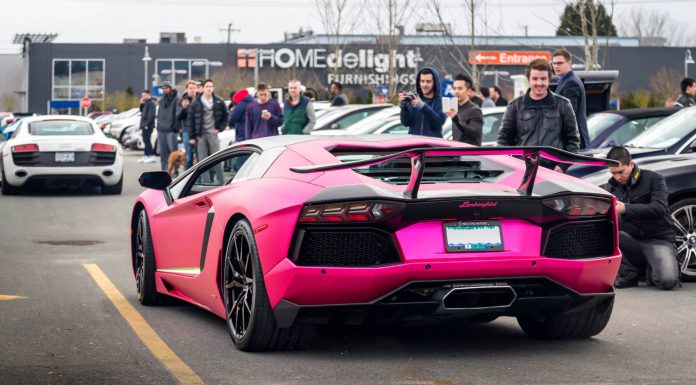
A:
<point x="422" y="111"/>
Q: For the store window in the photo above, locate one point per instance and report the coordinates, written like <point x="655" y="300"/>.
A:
<point x="73" y="79"/>
<point x="179" y="71"/>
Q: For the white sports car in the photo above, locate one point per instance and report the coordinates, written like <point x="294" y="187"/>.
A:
<point x="61" y="150"/>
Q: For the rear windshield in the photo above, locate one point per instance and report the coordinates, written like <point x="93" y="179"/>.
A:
<point x="441" y="169"/>
<point x="60" y="127"/>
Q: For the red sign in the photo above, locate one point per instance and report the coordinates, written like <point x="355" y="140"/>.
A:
<point x="86" y="102"/>
<point x="508" y="58"/>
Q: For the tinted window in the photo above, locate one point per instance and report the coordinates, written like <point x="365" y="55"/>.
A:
<point x="60" y="127"/>
<point x="628" y="131"/>
<point x="491" y="126"/>
<point x="221" y="172"/>
<point x="667" y="131"/>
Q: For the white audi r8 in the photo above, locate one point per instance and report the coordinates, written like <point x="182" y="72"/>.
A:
<point x="61" y="150"/>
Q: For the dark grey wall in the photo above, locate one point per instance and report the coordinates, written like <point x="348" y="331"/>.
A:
<point x="124" y="65"/>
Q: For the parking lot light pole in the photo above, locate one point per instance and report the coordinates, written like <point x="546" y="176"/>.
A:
<point x="687" y="60"/>
<point x="146" y="60"/>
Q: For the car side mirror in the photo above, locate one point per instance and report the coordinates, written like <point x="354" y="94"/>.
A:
<point x="156" y="180"/>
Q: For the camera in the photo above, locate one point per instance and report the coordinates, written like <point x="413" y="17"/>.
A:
<point x="409" y="97"/>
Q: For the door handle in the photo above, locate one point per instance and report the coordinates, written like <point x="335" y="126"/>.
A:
<point x="201" y="204"/>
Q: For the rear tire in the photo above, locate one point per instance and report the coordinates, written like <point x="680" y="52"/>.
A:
<point x="8" y="189"/>
<point x="578" y="324"/>
<point x="144" y="263"/>
<point x="249" y="317"/>
<point x="683" y="213"/>
<point x="115" y="189"/>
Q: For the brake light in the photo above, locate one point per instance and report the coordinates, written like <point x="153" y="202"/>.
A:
<point x="350" y="212"/>
<point x="98" y="147"/>
<point x="31" y="147"/>
<point x="574" y="205"/>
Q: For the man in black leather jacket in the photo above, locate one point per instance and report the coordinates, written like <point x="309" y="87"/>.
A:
<point x="646" y="235"/>
<point x="540" y="117"/>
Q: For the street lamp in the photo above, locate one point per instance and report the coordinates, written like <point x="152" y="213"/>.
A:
<point x="146" y="60"/>
<point x="687" y="60"/>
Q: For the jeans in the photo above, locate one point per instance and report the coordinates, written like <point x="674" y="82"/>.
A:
<point x="166" y="141"/>
<point x="209" y="144"/>
<point x="657" y="256"/>
<point x="147" y="141"/>
<point x="189" y="148"/>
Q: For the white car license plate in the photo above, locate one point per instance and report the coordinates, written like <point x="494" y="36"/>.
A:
<point x="65" y="157"/>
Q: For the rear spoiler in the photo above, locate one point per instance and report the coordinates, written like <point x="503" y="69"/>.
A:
<point x="531" y="156"/>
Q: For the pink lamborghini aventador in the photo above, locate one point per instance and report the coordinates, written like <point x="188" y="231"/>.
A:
<point x="276" y="235"/>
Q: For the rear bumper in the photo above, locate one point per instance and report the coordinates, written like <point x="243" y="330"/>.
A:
<point x="433" y="301"/>
<point x="291" y="286"/>
<point x="109" y="175"/>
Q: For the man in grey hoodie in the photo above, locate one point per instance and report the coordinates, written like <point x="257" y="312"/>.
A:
<point x="167" y="123"/>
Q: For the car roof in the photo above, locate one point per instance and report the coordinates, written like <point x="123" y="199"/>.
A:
<point x="638" y="113"/>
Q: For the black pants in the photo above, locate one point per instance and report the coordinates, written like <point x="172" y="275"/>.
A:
<point x="658" y="257"/>
<point x="147" y="134"/>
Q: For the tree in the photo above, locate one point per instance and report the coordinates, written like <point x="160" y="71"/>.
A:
<point x="643" y="24"/>
<point x="572" y="24"/>
<point x="337" y="17"/>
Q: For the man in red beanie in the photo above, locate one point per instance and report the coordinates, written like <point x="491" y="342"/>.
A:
<point x="241" y="100"/>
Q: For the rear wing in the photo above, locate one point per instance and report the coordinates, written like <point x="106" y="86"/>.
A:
<point x="531" y="156"/>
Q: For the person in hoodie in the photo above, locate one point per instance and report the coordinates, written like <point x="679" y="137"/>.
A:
<point x="422" y="112"/>
<point x="298" y="112"/>
<point x="167" y="123"/>
<point x="242" y="99"/>
<point x="264" y="115"/>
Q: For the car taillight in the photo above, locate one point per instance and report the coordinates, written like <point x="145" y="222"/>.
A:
<point x="574" y="205"/>
<point x="25" y="148"/>
<point x="103" y="147"/>
<point x="350" y="212"/>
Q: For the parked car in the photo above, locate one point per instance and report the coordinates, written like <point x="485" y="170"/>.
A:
<point x="61" y="150"/>
<point x="344" y="116"/>
<point x="675" y="134"/>
<point x="615" y="128"/>
<point x="364" y="126"/>
<point x="121" y="122"/>
<point x="680" y="175"/>
<point x="376" y="228"/>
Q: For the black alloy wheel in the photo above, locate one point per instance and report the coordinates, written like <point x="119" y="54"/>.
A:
<point x="239" y="289"/>
<point x="144" y="262"/>
<point x="683" y="213"/>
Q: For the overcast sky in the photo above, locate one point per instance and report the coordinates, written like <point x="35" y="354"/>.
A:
<point x="262" y="21"/>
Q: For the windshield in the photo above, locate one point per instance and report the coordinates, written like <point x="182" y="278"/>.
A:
<point x="60" y="127"/>
<point x="668" y="131"/>
<point x="597" y="123"/>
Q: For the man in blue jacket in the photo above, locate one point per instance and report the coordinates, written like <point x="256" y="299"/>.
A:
<point x="571" y="87"/>
<point x="422" y="112"/>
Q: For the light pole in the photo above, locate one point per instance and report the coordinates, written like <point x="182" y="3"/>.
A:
<point x="687" y="60"/>
<point x="146" y="60"/>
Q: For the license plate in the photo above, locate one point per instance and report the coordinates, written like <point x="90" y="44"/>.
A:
<point x="462" y="236"/>
<point x="65" y="157"/>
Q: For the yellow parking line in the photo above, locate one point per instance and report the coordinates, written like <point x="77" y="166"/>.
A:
<point x="183" y="373"/>
<point x="4" y="297"/>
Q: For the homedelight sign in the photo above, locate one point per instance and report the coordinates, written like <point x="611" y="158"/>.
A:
<point x="356" y="67"/>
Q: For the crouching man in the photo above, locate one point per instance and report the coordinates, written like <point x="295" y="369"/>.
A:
<point x="646" y="235"/>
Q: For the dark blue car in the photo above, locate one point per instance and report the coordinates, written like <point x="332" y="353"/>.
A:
<point x="615" y="128"/>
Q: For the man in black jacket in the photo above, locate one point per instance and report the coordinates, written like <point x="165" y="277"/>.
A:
<point x="686" y="98"/>
<point x="167" y="124"/>
<point x="540" y="117"/>
<point x="467" y="120"/>
<point x="570" y="86"/>
<point x="147" y="124"/>
<point x="186" y="100"/>
<point x="208" y="116"/>
<point x="646" y="235"/>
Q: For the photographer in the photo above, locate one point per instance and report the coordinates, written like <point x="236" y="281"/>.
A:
<point x="422" y="111"/>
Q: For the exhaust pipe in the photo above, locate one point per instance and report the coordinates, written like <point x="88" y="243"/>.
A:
<point x="479" y="297"/>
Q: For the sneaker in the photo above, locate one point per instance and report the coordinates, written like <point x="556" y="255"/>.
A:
<point x="141" y="160"/>
<point x="625" y="283"/>
<point x="150" y="159"/>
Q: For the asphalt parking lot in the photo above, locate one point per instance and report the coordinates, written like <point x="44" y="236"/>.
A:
<point x="58" y="326"/>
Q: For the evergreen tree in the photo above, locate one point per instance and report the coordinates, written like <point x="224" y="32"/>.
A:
<point x="571" y="24"/>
